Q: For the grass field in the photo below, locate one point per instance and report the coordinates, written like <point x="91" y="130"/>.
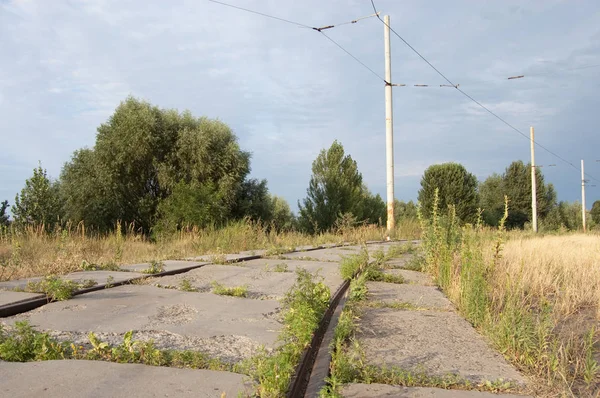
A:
<point x="536" y="298"/>
<point x="34" y="253"/>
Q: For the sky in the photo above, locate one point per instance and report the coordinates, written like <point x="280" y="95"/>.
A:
<point x="288" y="92"/>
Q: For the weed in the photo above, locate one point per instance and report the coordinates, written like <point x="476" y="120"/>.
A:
<point x="109" y="282"/>
<point x="25" y="344"/>
<point x="109" y="266"/>
<point x="156" y="267"/>
<point x="281" y="267"/>
<point x="186" y="286"/>
<point x="352" y="265"/>
<point x="303" y="308"/>
<point x="220" y="258"/>
<point x="276" y="251"/>
<point x="56" y="288"/>
<point x="375" y="274"/>
<point x="237" y="291"/>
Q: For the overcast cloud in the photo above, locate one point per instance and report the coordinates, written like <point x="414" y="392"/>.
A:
<point x="288" y="92"/>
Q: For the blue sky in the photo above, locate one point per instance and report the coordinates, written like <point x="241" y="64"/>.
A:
<point x="288" y="92"/>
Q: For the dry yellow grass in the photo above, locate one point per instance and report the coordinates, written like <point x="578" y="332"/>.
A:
<point x="563" y="269"/>
<point x="35" y="253"/>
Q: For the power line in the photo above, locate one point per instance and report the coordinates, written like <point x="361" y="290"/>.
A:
<point x="355" y="58"/>
<point x="263" y="14"/>
<point x="473" y="99"/>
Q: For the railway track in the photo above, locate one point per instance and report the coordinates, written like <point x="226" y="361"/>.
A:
<point x="313" y="367"/>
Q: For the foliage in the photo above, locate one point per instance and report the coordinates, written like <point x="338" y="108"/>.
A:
<point x="516" y="184"/>
<point x="404" y="210"/>
<point x="156" y="267"/>
<point x="236" y="291"/>
<point x="456" y="187"/>
<point x="25" y="344"/>
<point x="282" y="217"/>
<point x="57" y="288"/>
<point x="336" y="188"/>
<point x="4" y="221"/>
<point x="303" y="308"/>
<point x="537" y="316"/>
<point x="141" y="156"/>
<point x="38" y="204"/>
<point x="595" y="212"/>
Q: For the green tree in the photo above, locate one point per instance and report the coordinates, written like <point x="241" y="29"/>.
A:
<point x="39" y="203"/>
<point x="491" y="199"/>
<point x="374" y="208"/>
<point x="254" y="201"/>
<point x="283" y="219"/>
<point x="595" y="212"/>
<point x="516" y="184"/>
<point x="335" y="189"/>
<point x="4" y="221"/>
<point x="404" y="210"/>
<point x="142" y="156"/>
<point x="456" y="187"/>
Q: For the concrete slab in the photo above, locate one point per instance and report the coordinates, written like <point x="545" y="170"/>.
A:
<point x="257" y="275"/>
<point x="420" y="296"/>
<point x="79" y="379"/>
<point x="230" y="328"/>
<point x="434" y="342"/>
<point x="9" y="297"/>
<point x="412" y="277"/>
<point x="333" y="255"/>
<point x="330" y="271"/>
<point x="399" y="262"/>
<point x="100" y="277"/>
<point x="383" y="390"/>
<point x="261" y="284"/>
<point x="169" y="265"/>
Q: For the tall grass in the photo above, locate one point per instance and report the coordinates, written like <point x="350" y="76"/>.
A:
<point x="34" y="252"/>
<point x="537" y="298"/>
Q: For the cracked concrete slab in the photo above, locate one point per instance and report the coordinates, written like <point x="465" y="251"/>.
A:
<point x="168" y="265"/>
<point x="383" y="390"/>
<point x="100" y="277"/>
<point x="399" y="262"/>
<point x="83" y="379"/>
<point x="230" y="328"/>
<point x="434" y="342"/>
<point x="420" y="296"/>
<point x="9" y="297"/>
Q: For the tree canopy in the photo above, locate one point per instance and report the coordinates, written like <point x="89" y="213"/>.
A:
<point x="515" y="183"/>
<point x="38" y="203"/>
<point x="335" y="189"/>
<point x="144" y="156"/>
<point x="456" y="186"/>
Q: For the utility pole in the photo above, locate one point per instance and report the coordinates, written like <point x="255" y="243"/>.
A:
<point x="533" y="183"/>
<point x="389" y="128"/>
<point x="582" y="196"/>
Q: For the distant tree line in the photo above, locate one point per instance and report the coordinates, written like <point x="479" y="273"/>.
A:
<point x="160" y="171"/>
<point x="457" y="187"/>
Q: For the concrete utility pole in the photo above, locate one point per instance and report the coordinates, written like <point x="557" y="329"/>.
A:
<point x="582" y="196"/>
<point x="389" y="128"/>
<point x="533" y="183"/>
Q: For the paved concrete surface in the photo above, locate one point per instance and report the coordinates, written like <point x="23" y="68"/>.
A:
<point x="212" y="258"/>
<point x="8" y="297"/>
<point x="434" y="342"/>
<point x="100" y="277"/>
<point x="169" y="265"/>
<point x="400" y="261"/>
<point x="80" y="379"/>
<point x="412" y="277"/>
<point x="420" y="296"/>
<point x="334" y="255"/>
<point x="230" y="328"/>
<point x="382" y="390"/>
<point x="261" y="284"/>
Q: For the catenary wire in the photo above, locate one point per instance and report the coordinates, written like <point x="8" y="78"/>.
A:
<point x="474" y="100"/>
